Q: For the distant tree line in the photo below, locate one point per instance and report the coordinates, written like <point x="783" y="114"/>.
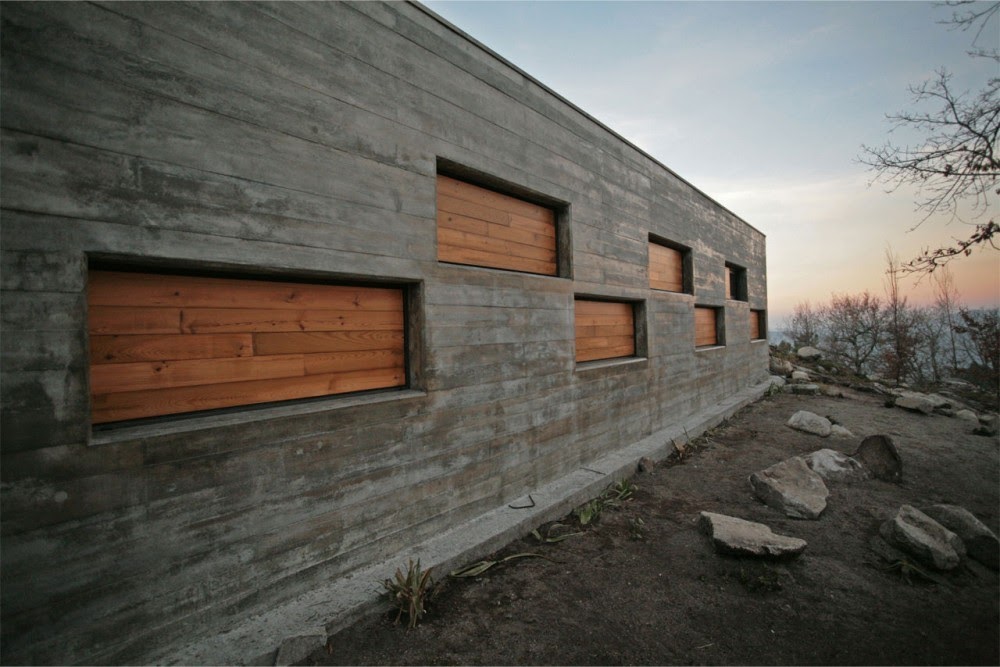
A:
<point x="886" y="336"/>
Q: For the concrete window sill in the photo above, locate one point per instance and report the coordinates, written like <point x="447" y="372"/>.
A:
<point x="626" y="363"/>
<point x="709" y="348"/>
<point x="248" y="414"/>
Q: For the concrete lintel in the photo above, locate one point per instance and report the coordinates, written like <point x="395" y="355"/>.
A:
<point x="329" y="609"/>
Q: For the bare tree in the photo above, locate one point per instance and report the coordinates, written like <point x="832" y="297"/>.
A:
<point x="982" y="330"/>
<point x="955" y="165"/>
<point x="855" y="328"/>
<point x="805" y="324"/>
<point x="946" y="298"/>
<point x="900" y="355"/>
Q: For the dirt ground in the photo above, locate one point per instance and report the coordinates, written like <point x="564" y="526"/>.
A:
<point x="659" y="594"/>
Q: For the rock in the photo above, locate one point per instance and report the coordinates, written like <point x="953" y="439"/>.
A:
<point x="808" y="352"/>
<point x="838" y="431"/>
<point x="917" y="534"/>
<point x="297" y="649"/>
<point x="780" y="367"/>
<point x="809" y="422"/>
<point x="790" y="486"/>
<point x="800" y="376"/>
<point x="738" y="537"/>
<point x="777" y="381"/>
<point x="915" y="403"/>
<point x="988" y="425"/>
<point x="980" y="542"/>
<point x="646" y="464"/>
<point x="832" y="465"/>
<point x="808" y="389"/>
<point x="967" y="416"/>
<point x="832" y="391"/>
<point x="878" y="454"/>
<point x="937" y="401"/>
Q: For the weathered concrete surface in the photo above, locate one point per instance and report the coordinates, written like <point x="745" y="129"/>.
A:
<point x="738" y="537"/>
<point x="303" y="141"/>
<point x="791" y="487"/>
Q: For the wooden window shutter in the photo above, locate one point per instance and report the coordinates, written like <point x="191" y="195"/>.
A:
<point x="604" y="329"/>
<point x="705" y="326"/>
<point x="666" y="268"/>
<point x="169" y="344"/>
<point x="757" y="325"/>
<point x="480" y="227"/>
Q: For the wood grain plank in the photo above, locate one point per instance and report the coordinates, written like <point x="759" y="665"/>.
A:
<point x="111" y="378"/>
<point x="357" y="360"/>
<point x="124" y="349"/>
<point x="250" y="320"/>
<point x="705" y="326"/>
<point x="138" y="404"/>
<point x="456" y="238"/>
<point x="477" y="195"/>
<point x="326" y="341"/>
<point x="519" y="233"/>
<point x="666" y="268"/>
<point x="110" y="320"/>
<point x="604" y="329"/>
<point x="606" y="353"/>
<point x="118" y="288"/>
<point x="460" y="255"/>
<point x="755" y="325"/>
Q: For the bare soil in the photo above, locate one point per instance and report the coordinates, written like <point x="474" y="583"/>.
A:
<point x="661" y="595"/>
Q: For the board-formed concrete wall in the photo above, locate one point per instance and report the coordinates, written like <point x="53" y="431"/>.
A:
<point x="303" y="141"/>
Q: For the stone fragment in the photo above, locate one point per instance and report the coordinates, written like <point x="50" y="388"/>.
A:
<point x="808" y="352"/>
<point x="738" y="537"/>
<point x="807" y="389"/>
<point x="878" y="454"/>
<point x="780" y="367"/>
<point x="778" y="381"/>
<point x="832" y="465"/>
<point x="831" y="390"/>
<point x="937" y="401"/>
<point x="791" y="487"/>
<point x="915" y="403"/>
<point x="810" y="422"/>
<point x="967" y="416"/>
<point x="980" y="542"/>
<point x="915" y="533"/>
<point x="646" y="464"/>
<point x="838" y="431"/>
<point x="800" y="376"/>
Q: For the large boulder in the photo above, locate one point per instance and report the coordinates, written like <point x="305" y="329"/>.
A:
<point x="980" y="542"/>
<point x="915" y="533"/>
<point x="810" y="422"/>
<point x="915" y="402"/>
<point x="879" y="456"/>
<point x="800" y="376"/>
<point x="808" y="352"/>
<point x="791" y="487"/>
<point x="836" y="466"/>
<point x="967" y="416"/>
<point x="781" y="367"/>
<point x="738" y="537"/>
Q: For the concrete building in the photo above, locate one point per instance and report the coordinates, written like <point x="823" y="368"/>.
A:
<point x="290" y="290"/>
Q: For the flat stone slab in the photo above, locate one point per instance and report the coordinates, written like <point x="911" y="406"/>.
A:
<point x="879" y="456"/>
<point x="980" y="542"/>
<point x="808" y="352"/>
<point x="807" y="389"/>
<point x="915" y="403"/>
<point x="915" y="533"/>
<point x="738" y="537"/>
<point x="809" y="422"/>
<point x="832" y="465"/>
<point x="791" y="487"/>
<point x="800" y="376"/>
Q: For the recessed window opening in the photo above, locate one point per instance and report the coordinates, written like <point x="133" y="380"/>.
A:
<point x="604" y="329"/>
<point x="758" y="325"/>
<point x="709" y="325"/>
<point x="670" y="266"/>
<point x="166" y="344"/>
<point x="736" y="282"/>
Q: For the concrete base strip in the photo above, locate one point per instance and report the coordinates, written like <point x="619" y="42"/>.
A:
<point x="256" y="640"/>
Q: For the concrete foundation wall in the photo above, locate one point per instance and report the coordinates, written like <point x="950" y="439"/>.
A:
<point x="303" y="140"/>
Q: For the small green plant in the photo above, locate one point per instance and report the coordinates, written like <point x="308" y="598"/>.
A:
<point x="636" y="528"/>
<point x="409" y="592"/>
<point x="619" y="492"/>
<point x="589" y="511"/>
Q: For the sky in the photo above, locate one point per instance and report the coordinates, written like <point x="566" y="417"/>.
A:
<point x="764" y="106"/>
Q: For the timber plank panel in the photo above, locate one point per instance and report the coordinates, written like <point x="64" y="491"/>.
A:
<point x="756" y="328"/>
<point x="123" y="349"/>
<point x="137" y="404"/>
<point x="604" y="329"/>
<point x="666" y="268"/>
<point x="705" y="331"/>
<point x="167" y="344"/>
<point x="481" y="227"/>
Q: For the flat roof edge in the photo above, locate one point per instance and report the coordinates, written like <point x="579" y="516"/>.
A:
<point x="475" y="42"/>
